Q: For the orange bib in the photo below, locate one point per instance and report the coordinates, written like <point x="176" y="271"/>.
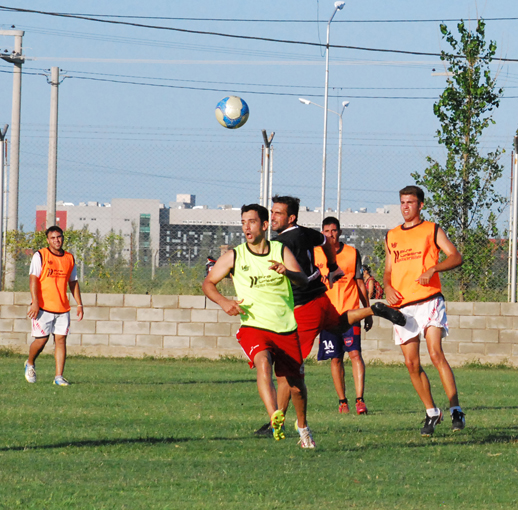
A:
<point x="55" y="273"/>
<point x="344" y="295"/>
<point x="413" y="251"/>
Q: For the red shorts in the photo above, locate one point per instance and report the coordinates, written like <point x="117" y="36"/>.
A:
<point x="314" y="317"/>
<point x="285" y="349"/>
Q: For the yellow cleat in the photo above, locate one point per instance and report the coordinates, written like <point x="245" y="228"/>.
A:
<point x="277" y="422"/>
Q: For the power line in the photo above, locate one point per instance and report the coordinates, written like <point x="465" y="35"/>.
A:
<point x="278" y="85"/>
<point x="234" y="90"/>
<point x="242" y="20"/>
<point x="257" y="92"/>
<point x="232" y="36"/>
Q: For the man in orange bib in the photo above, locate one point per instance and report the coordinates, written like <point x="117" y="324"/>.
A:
<point x="412" y="284"/>
<point x="52" y="271"/>
<point x="345" y="294"/>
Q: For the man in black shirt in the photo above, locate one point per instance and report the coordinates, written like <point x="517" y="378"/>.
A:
<point x="314" y="311"/>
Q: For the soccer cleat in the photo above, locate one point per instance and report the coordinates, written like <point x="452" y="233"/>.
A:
<point x="30" y="372"/>
<point x="265" y="430"/>
<point x="430" y="423"/>
<point x="277" y="422"/>
<point x="343" y="408"/>
<point x="361" y="408"/>
<point x="306" y="439"/>
<point x="382" y="310"/>
<point x="458" y="420"/>
<point x="59" y="380"/>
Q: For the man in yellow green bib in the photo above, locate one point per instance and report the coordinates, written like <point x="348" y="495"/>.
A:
<point x="262" y="271"/>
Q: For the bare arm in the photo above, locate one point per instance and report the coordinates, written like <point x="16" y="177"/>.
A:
<point x="364" y="296"/>
<point x="34" y="286"/>
<point x="370" y="287"/>
<point x="221" y="269"/>
<point x="290" y="269"/>
<point x="76" y="292"/>
<point x="393" y="296"/>
<point x="453" y="258"/>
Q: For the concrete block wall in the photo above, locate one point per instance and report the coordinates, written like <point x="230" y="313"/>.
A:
<point x="137" y="325"/>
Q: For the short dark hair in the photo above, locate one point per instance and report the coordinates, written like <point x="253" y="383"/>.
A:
<point x="54" y="228"/>
<point x="416" y="191"/>
<point x="292" y="203"/>
<point x="261" y="211"/>
<point x="331" y="220"/>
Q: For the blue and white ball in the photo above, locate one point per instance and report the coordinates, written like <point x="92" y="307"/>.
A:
<point x="232" y="112"/>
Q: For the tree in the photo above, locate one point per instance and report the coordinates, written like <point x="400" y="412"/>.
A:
<point x="461" y="196"/>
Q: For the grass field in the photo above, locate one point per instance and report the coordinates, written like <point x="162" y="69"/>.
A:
<point x="178" y="434"/>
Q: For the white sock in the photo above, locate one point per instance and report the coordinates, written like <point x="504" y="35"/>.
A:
<point x="433" y="412"/>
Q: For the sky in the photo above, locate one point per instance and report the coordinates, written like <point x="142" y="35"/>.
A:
<point x="136" y="109"/>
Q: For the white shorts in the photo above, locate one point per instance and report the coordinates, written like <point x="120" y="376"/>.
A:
<point x="419" y="317"/>
<point x="47" y="323"/>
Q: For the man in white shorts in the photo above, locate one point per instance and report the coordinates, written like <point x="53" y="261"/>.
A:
<point x="412" y="284"/>
<point x="52" y="270"/>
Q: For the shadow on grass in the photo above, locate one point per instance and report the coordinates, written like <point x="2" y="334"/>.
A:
<point x="442" y="438"/>
<point x="87" y="443"/>
<point x="469" y="437"/>
<point x="162" y="383"/>
<point x="485" y="408"/>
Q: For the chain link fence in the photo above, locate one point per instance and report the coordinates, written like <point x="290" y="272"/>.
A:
<point x="142" y="216"/>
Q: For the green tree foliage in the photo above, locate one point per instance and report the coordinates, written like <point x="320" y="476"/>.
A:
<point x="461" y="194"/>
<point x="99" y="260"/>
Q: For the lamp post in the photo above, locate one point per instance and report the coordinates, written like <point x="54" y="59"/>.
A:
<point x="338" y="6"/>
<point x="340" y="125"/>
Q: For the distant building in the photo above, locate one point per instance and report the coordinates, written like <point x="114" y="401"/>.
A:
<point x="183" y="231"/>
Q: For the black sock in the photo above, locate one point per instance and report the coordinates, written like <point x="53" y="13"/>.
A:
<point x="344" y="401"/>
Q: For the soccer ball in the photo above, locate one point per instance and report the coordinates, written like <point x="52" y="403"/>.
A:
<point x="232" y="112"/>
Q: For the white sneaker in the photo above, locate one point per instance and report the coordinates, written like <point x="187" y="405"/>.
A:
<point x="30" y="372"/>
<point x="306" y="439"/>
<point x="59" y="380"/>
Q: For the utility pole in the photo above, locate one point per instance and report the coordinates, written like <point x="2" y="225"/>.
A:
<point x="17" y="59"/>
<point x="53" y="148"/>
<point x="514" y="233"/>
<point x="3" y="132"/>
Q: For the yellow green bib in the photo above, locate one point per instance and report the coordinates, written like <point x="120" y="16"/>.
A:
<point x="267" y="295"/>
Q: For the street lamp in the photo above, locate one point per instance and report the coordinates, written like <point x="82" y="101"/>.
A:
<point x="338" y="6"/>
<point x="340" y="125"/>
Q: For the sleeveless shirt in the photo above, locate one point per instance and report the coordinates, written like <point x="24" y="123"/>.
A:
<point x="267" y="295"/>
<point x="344" y="295"/>
<point x="413" y="251"/>
<point x="55" y="273"/>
